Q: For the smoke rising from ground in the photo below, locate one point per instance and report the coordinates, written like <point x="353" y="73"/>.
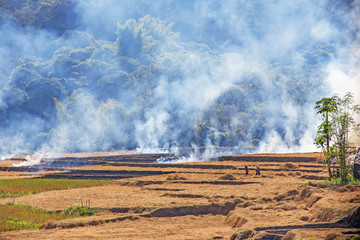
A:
<point x="170" y="74"/>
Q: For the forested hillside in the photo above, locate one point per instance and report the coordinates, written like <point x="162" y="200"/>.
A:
<point x="100" y="75"/>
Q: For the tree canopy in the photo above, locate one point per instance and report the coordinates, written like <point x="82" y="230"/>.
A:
<point x="338" y="115"/>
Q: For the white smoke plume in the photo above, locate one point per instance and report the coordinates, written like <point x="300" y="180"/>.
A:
<point x="173" y="74"/>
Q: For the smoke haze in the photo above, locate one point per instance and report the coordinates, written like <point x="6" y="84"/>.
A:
<point x="170" y="73"/>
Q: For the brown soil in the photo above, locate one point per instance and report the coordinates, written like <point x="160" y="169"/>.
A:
<point x="209" y="200"/>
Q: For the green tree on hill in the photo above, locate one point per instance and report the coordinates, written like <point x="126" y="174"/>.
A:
<point x="343" y="123"/>
<point x="333" y="133"/>
<point x="326" y="107"/>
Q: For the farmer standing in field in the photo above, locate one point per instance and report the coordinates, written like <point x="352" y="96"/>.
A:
<point x="257" y="169"/>
<point x="246" y="170"/>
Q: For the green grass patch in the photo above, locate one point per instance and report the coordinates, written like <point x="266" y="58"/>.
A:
<point x="80" y="211"/>
<point x="12" y="195"/>
<point x="19" y="217"/>
<point x="339" y="182"/>
<point x="26" y="186"/>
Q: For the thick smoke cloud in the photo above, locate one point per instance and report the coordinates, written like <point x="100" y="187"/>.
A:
<point x="343" y="72"/>
<point x="149" y="75"/>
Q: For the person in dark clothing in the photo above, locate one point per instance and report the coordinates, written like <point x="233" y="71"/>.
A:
<point x="246" y="170"/>
<point x="257" y="169"/>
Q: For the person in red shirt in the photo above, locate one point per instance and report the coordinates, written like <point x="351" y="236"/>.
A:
<point x="257" y="169"/>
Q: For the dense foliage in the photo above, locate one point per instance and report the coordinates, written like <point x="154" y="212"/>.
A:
<point x="333" y="133"/>
<point x="64" y="87"/>
<point x="55" y="15"/>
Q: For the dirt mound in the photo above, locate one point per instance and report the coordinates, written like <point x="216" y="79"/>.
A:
<point x="222" y="209"/>
<point x="267" y="236"/>
<point x="332" y="236"/>
<point x="314" y="198"/>
<point x="285" y="207"/>
<point x="291" y="235"/>
<point x="304" y="218"/>
<point x="309" y="196"/>
<point x="256" y="208"/>
<point x="294" y="174"/>
<point x="245" y="205"/>
<point x="289" y="195"/>
<point x="235" y="220"/>
<point x="352" y="219"/>
<point x="265" y="200"/>
<point x="328" y="215"/>
<point x="313" y="177"/>
<point x="250" y="234"/>
<point x="73" y="223"/>
<point x="355" y="199"/>
<point x="305" y="193"/>
<point x="347" y="188"/>
<point x="49" y="225"/>
<point x="242" y="234"/>
<point x="141" y="183"/>
<point x="182" y="195"/>
<point x="227" y="177"/>
<point x="176" y="177"/>
<point x="288" y="166"/>
<point x="291" y="174"/>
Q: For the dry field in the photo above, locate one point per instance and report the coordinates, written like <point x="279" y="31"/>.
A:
<point x="208" y="200"/>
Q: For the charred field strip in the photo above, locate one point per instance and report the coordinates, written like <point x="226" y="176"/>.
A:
<point x="102" y="174"/>
<point x="67" y="167"/>
<point x="63" y="167"/>
<point x="171" y="165"/>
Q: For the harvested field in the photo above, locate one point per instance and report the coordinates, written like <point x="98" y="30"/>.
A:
<point x="205" y="200"/>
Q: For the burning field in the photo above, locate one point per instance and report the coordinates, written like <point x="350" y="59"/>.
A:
<point x="203" y="200"/>
<point x="199" y="79"/>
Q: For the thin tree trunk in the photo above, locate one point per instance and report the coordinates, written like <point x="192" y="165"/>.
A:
<point x="328" y="146"/>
